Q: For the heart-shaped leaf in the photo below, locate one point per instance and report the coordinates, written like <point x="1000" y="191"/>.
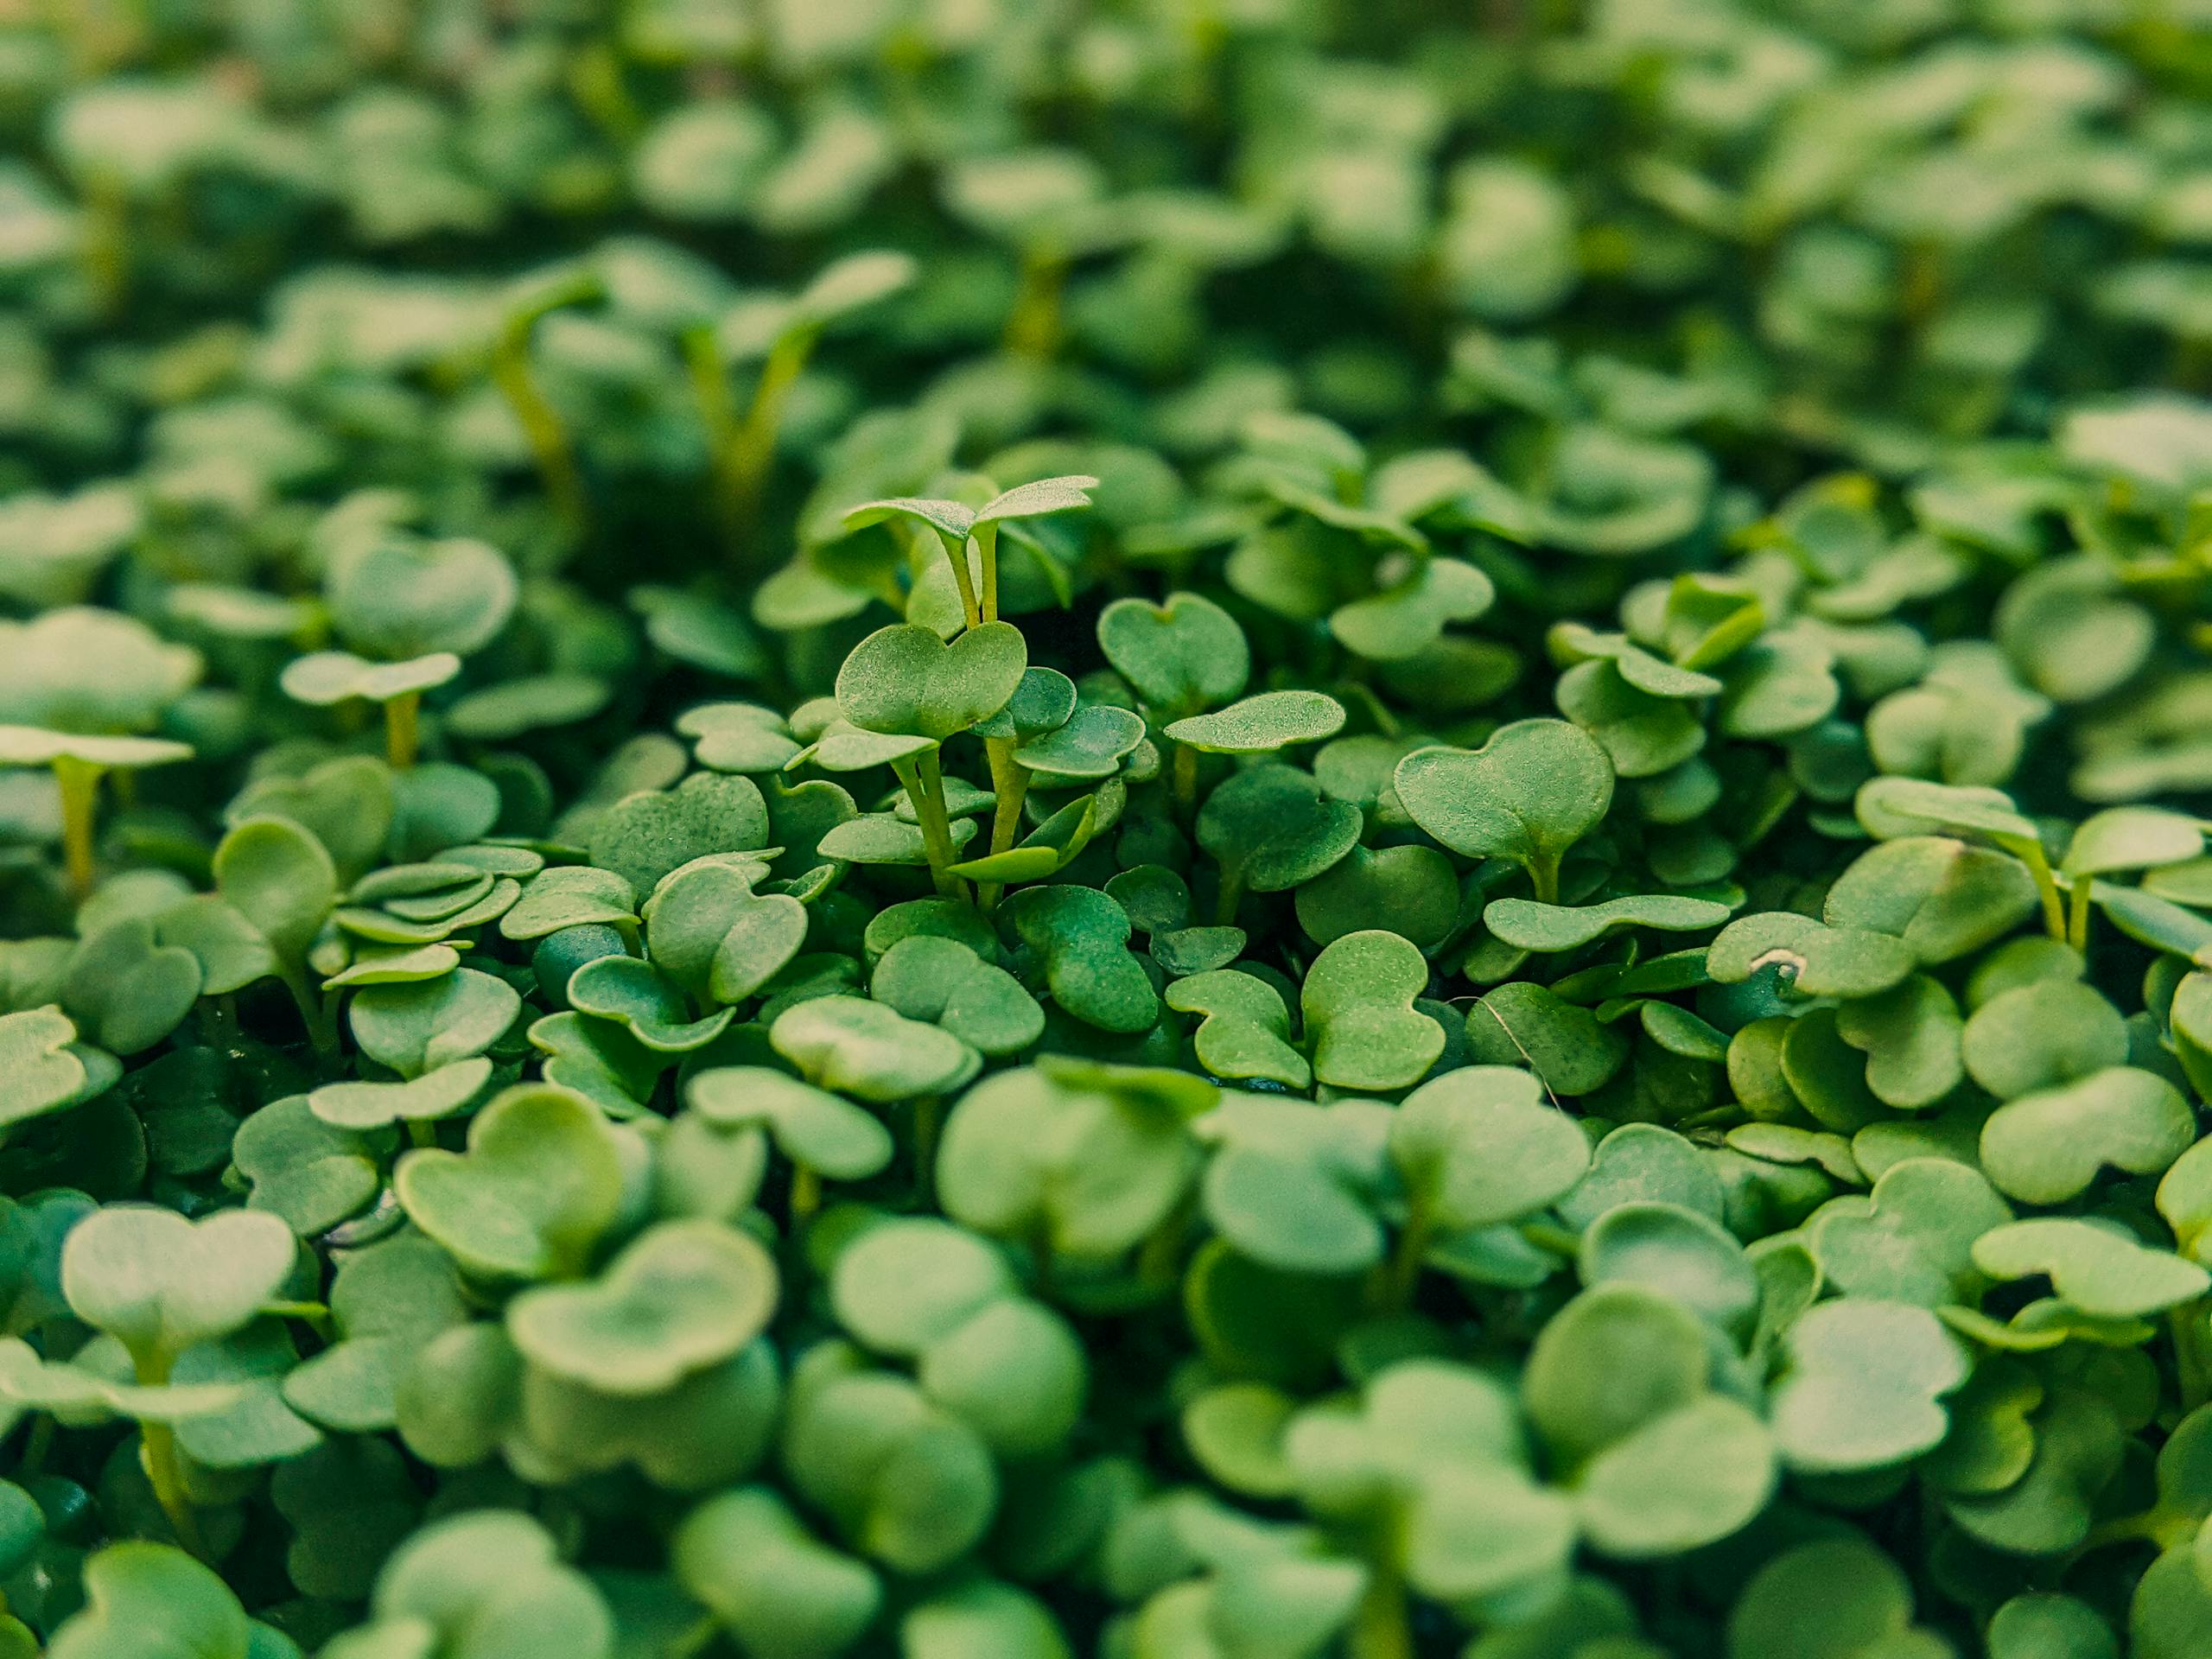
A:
<point x="905" y="680"/>
<point x="645" y="837"/>
<point x="1357" y="1002"/>
<point x="1532" y="792"/>
<point x="681" y="1297"/>
<point x="541" y="1180"/>
<point x="1180" y="656"/>
<point x="159" y="1283"/>
<point x="421" y="1026"/>
<point x="811" y="1127"/>
<point x="1245" y="1029"/>
<point x="868" y="1049"/>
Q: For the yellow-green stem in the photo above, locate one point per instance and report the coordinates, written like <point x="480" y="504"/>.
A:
<point x="79" y="782"/>
<point x="702" y="356"/>
<point x="806" y="1194"/>
<point x="596" y="79"/>
<point x="987" y="551"/>
<point x="1010" y="787"/>
<point x="1543" y="873"/>
<point x="929" y="815"/>
<point x="541" y="422"/>
<point x="164" y="1469"/>
<point x="402" y="730"/>
<point x="106" y="241"/>
<point x="929" y="1121"/>
<point x="2078" y="913"/>
<point x="1033" y="327"/>
<point x="2054" y="909"/>
<point x="1402" y="1275"/>
<point x="1381" y="1629"/>
<point x="421" y="1132"/>
<point x="1186" y="778"/>
<point x="754" y="446"/>
<point x="955" y="553"/>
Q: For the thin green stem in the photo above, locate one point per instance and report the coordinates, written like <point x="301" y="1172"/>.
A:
<point x="1185" y="776"/>
<point x="702" y="357"/>
<point x="541" y="426"/>
<point x="929" y="814"/>
<point x="1033" y="326"/>
<point x="420" y="1133"/>
<point x="402" y="730"/>
<point x="2054" y="909"/>
<point x="105" y="244"/>
<point x="2078" y="913"/>
<point x="806" y="1194"/>
<point x="753" y="450"/>
<point x="697" y="1640"/>
<point x="1381" y="1628"/>
<point x="1231" y="895"/>
<point x="38" y="1446"/>
<point x="163" y="1467"/>
<point x="79" y="782"/>
<point x="2191" y="1327"/>
<point x="318" y="1014"/>
<point x="956" y="554"/>
<point x="1010" y="787"/>
<point x="1543" y="873"/>
<point x="1401" y="1274"/>
<point x="929" y="1122"/>
<point x="987" y="551"/>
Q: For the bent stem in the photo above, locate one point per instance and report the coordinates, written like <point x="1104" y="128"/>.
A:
<point x="1010" y="787"/>
<point x="718" y="415"/>
<point x="542" y="425"/>
<point x="402" y="730"/>
<point x="753" y="449"/>
<point x="79" y="782"/>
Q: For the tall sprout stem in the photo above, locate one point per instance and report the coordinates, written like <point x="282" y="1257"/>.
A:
<point x="752" y="448"/>
<point x="2078" y="913"/>
<point x="2053" y="907"/>
<point x="710" y="391"/>
<point x="987" y="550"/>
<point x="1033" y="326"/>
<point x="924" y="786"/>
<point x="163" y="1468"/>
<point x="80" y="783"/>
<point x="956" y="554"/>
<point x="402" y="730"/>
<point x="541" y="426"/>
<point x="1010" y="788"/>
